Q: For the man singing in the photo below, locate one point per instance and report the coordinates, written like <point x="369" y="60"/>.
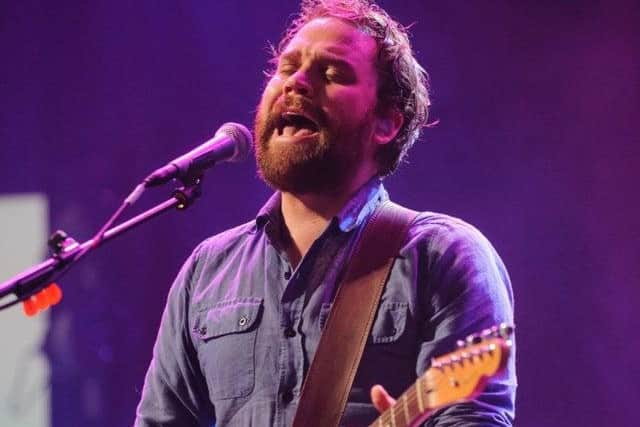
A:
<point x="345" y="101"/>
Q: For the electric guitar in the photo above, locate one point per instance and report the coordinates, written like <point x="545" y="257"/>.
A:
<point x="452" y="378"/>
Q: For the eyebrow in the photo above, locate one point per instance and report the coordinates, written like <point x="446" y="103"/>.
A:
<point x="289" y="56"/>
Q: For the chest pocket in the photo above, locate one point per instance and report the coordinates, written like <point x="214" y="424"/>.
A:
<point x="390" y="322"/>
<point x="226" y="336"/>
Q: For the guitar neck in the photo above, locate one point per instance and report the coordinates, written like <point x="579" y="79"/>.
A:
<point x="411" y="407"/>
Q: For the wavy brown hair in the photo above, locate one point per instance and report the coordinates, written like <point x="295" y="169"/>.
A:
<point x="402" y="82"/>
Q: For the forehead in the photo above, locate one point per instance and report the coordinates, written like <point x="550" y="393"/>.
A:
<point x="333" y="36"/>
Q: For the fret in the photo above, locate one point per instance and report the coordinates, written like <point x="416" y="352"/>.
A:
<point x="421" y="406"/>
<point x="383" y="420"/>
<point x="413" y="407"/>
<point x="405" y="407"/>
<point x="393" y="416"/>
<point x="430" y="381"/>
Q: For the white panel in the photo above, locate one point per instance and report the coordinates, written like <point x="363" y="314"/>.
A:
<point x="24" y="370"/>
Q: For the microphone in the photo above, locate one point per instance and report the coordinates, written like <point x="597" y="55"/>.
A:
<point x="230" y="143"/>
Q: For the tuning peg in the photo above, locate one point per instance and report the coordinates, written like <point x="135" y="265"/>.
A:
<point x="505" y="330"/>
<point x="474" y="339"/>
<point x="489" y="332"/>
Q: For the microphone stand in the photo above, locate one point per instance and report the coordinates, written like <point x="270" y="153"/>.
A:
<point x="66" y="250"/>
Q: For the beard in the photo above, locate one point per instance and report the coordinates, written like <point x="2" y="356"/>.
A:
<point x="322" y="165"/>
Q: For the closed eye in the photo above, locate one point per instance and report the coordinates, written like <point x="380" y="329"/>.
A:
<point x="288" y="63"/>
<point x="286" y="69"/>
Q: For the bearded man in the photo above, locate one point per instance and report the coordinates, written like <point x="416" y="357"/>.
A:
<point x="345" y="101"/>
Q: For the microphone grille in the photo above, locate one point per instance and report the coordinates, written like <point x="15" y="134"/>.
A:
<point x="240" y="136"/>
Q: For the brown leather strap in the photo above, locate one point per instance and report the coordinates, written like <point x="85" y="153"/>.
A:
<point x="327" y="385"/>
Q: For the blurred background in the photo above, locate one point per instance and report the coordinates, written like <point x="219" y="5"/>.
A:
<point x="538" y="145"/>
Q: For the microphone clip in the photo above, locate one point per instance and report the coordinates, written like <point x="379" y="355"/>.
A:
<point x="190" y="191"/>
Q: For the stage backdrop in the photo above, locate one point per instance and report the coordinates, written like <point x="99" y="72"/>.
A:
<point x="538" y="145"/>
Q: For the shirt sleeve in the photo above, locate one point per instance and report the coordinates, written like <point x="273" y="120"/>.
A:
<point x="175" y="391"/>
<point x="467" y="290"/>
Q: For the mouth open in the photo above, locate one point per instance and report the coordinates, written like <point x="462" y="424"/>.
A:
<point x="294" y="124"/>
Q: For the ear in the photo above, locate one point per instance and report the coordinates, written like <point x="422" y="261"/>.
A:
<point x="387" y="126"/>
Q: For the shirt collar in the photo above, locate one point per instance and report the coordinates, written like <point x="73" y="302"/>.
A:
<point x="353" y="214"/>
<point x="270" y="211"/>
<point x="362" y="204"/>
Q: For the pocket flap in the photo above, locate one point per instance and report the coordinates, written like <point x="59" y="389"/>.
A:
<point x="388" y="326"/>
<point x="390" y="322"/>
<point x="227" y="317"/>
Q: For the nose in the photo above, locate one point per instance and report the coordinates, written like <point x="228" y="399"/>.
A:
<point x="299" y="84"/>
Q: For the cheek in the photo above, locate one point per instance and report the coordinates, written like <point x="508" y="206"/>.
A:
<point x="269" y="96"/>
<point x="350" y="106"/>
<point x="273" y="88"/>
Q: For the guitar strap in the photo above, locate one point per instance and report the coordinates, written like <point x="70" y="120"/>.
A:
<point x="327" y="385"/>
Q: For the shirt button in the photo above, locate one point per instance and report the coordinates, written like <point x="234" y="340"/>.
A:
<point x="287" y="396"/>
<point x="289" y="332"/>
<point x="287" y="275"/>
<point x="243" y="321"/>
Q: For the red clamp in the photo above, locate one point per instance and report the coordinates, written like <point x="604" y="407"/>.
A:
<point x="43" y="299"/>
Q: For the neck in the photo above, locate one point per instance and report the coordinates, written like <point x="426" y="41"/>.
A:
<point x="307" y="215"/>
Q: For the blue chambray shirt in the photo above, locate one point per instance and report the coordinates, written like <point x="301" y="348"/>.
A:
<point x="240" y="327"/>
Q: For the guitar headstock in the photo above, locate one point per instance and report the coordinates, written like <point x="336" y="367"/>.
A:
<point x="462" y="374"/>
<point x="452" y="378"/>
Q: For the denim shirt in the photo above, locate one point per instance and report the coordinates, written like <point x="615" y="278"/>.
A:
<point x="241" y="326"/>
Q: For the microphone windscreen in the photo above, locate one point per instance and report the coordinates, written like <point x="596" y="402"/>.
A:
<point x="242" y="138"/>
